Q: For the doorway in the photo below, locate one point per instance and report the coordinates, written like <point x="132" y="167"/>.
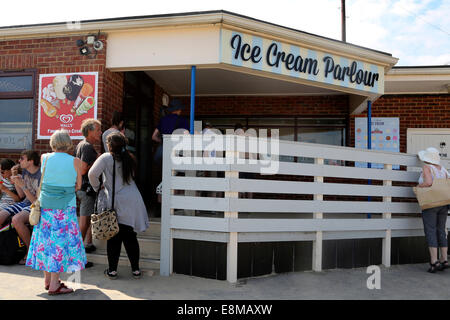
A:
<point x="138" y="104"/>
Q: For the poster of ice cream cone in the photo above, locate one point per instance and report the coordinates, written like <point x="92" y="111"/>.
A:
<point x="65" y="100"/>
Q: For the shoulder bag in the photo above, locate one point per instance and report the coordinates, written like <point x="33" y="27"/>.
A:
<point x="35" y="212"/>
<point x="104" y="225"/>
<point x="435" y="196"/>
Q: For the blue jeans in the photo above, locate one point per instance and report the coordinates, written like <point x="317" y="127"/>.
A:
<point x="434" y="221"/>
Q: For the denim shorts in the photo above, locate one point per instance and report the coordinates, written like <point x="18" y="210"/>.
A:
<point x="86" y="203"/>
<point x="434" y="221"/>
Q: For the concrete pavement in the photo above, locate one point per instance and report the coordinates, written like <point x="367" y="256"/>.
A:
<point x="397" y="282"/>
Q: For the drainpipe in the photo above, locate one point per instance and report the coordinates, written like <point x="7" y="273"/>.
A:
<point x="191" y="127"/>
<point x="369" y="140"/>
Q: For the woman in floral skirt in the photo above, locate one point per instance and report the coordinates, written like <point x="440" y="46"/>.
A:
<point x="56" y="244"/>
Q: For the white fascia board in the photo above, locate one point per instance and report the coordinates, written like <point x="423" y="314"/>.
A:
<point x="224" y="18"/>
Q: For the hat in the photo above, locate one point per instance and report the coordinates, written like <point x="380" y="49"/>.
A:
<point x="175" y="105"/>
<point x="430" y="155"/>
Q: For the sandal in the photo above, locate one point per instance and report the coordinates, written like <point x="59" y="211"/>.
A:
<point x="444" y="265"/>
<point x="434" y="267"/>
<point x="110" y="274"/>
<point x="47" y="286"/>
<point x="59" y="290"/>
<point x="137" y="274"/>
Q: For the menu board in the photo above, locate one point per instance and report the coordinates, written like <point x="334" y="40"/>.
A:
<point x="385" y="137"/>
<point x="65" y="100"/>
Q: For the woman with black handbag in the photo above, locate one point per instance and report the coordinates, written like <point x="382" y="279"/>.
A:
<point x="118" y="168"/>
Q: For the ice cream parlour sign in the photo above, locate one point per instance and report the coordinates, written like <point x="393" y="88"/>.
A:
<point x="258" y="53"/>
<point x="65" y="100"/>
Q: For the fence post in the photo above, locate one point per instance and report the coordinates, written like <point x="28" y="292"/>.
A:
<point x="166" y="263"/>
<point x="317" y="243"/>
<point x="232" y="245"/>
<point x="386" y="254"/>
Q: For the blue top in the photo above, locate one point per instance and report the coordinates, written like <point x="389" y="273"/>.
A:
<point x="171" y="122"/>
<point x="58" y="184"/>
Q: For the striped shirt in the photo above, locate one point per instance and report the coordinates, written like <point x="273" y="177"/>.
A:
<point x="5" y="199"/>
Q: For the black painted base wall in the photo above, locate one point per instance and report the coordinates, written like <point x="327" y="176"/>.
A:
<point x="208" y="259"/>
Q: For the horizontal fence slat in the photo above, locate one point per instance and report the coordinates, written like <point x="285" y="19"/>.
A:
<point x="292" y="225"/>
<point x="300" y="206"/>
<point x="200" y="235"/>
<point x="290" y="148"/>
<point x="199" y="203"/>
<point x="294" y="187"/>
<point x="306" y="169"/>
<point x="303" y="225"/>
<point x="200" y="223"/>
<point x="286" y="187"/>
<point x="275" y="236"/>
<point x="190" y="164"/>
<point x="200" y="184"/>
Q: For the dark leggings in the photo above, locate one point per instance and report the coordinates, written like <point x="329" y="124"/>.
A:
<point x="131" y="244"/>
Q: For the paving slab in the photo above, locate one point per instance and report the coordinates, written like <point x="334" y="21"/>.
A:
<point x="399" y="282"/>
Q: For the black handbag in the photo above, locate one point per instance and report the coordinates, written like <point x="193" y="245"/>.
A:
<point x="104" y="225"/>
<point x="12" y="248"/>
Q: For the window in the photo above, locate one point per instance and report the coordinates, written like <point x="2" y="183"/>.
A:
<point x="321" y="130"/>
<point x="16" y="110"/>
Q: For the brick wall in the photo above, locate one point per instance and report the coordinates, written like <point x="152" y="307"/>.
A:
<point x="270" y="106"/>
<point x="413" y="111"/>
<point x="61" y="55"/>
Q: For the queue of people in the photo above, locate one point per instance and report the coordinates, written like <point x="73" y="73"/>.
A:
<point x="60" y="241"/>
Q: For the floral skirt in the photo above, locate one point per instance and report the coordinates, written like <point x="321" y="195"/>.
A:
<point x="56" y="243"/>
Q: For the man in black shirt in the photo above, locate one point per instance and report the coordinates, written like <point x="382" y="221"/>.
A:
<point x="91" y="129"/>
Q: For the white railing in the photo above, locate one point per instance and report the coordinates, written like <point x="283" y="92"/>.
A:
<point x="341" y="215"/>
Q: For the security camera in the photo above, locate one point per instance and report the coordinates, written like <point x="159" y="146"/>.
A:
<point x="98" y="45"/>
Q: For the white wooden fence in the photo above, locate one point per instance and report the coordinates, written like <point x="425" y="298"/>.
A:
<point x="314" y="219"/>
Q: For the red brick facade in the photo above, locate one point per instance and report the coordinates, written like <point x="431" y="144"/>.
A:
<point x="61" y="55"/>
<point x="271" y="106"/>
<point x="413" y="111"/>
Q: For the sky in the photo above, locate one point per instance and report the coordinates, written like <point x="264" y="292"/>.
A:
<point x="415" y="31"/>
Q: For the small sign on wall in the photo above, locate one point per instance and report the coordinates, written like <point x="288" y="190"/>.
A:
<point x="65" y="100"/>
<point x="385" y="137"/>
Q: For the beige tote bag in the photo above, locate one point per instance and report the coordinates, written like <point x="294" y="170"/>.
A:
<point x="435" y="196"/>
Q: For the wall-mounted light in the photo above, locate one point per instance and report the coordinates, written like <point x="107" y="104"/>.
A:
<point x="91" y="41"/>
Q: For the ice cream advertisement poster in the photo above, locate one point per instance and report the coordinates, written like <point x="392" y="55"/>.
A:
<point x="65" y="100"/>
<point x="385" y="136"/>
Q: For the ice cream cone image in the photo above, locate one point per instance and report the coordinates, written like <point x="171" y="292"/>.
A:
<point x="59" y="82"/>
<point x="85" y="106"/>
<point x="86" y="90"/>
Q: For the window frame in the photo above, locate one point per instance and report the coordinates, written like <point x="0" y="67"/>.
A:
<point x="296" y="125"/>
<point x="22" y="95"/>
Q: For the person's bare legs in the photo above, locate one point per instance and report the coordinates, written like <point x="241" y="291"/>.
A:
<point x="3" y="216"/>
<point x="55" y="284"/>
<point x="85" y="223"/>
<point x="47" y="278"/>
<point x="433" y="254"/>
<point x="443" y="254"/>
<point x="19" y="221"/>
<point x="89" y="233"/>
